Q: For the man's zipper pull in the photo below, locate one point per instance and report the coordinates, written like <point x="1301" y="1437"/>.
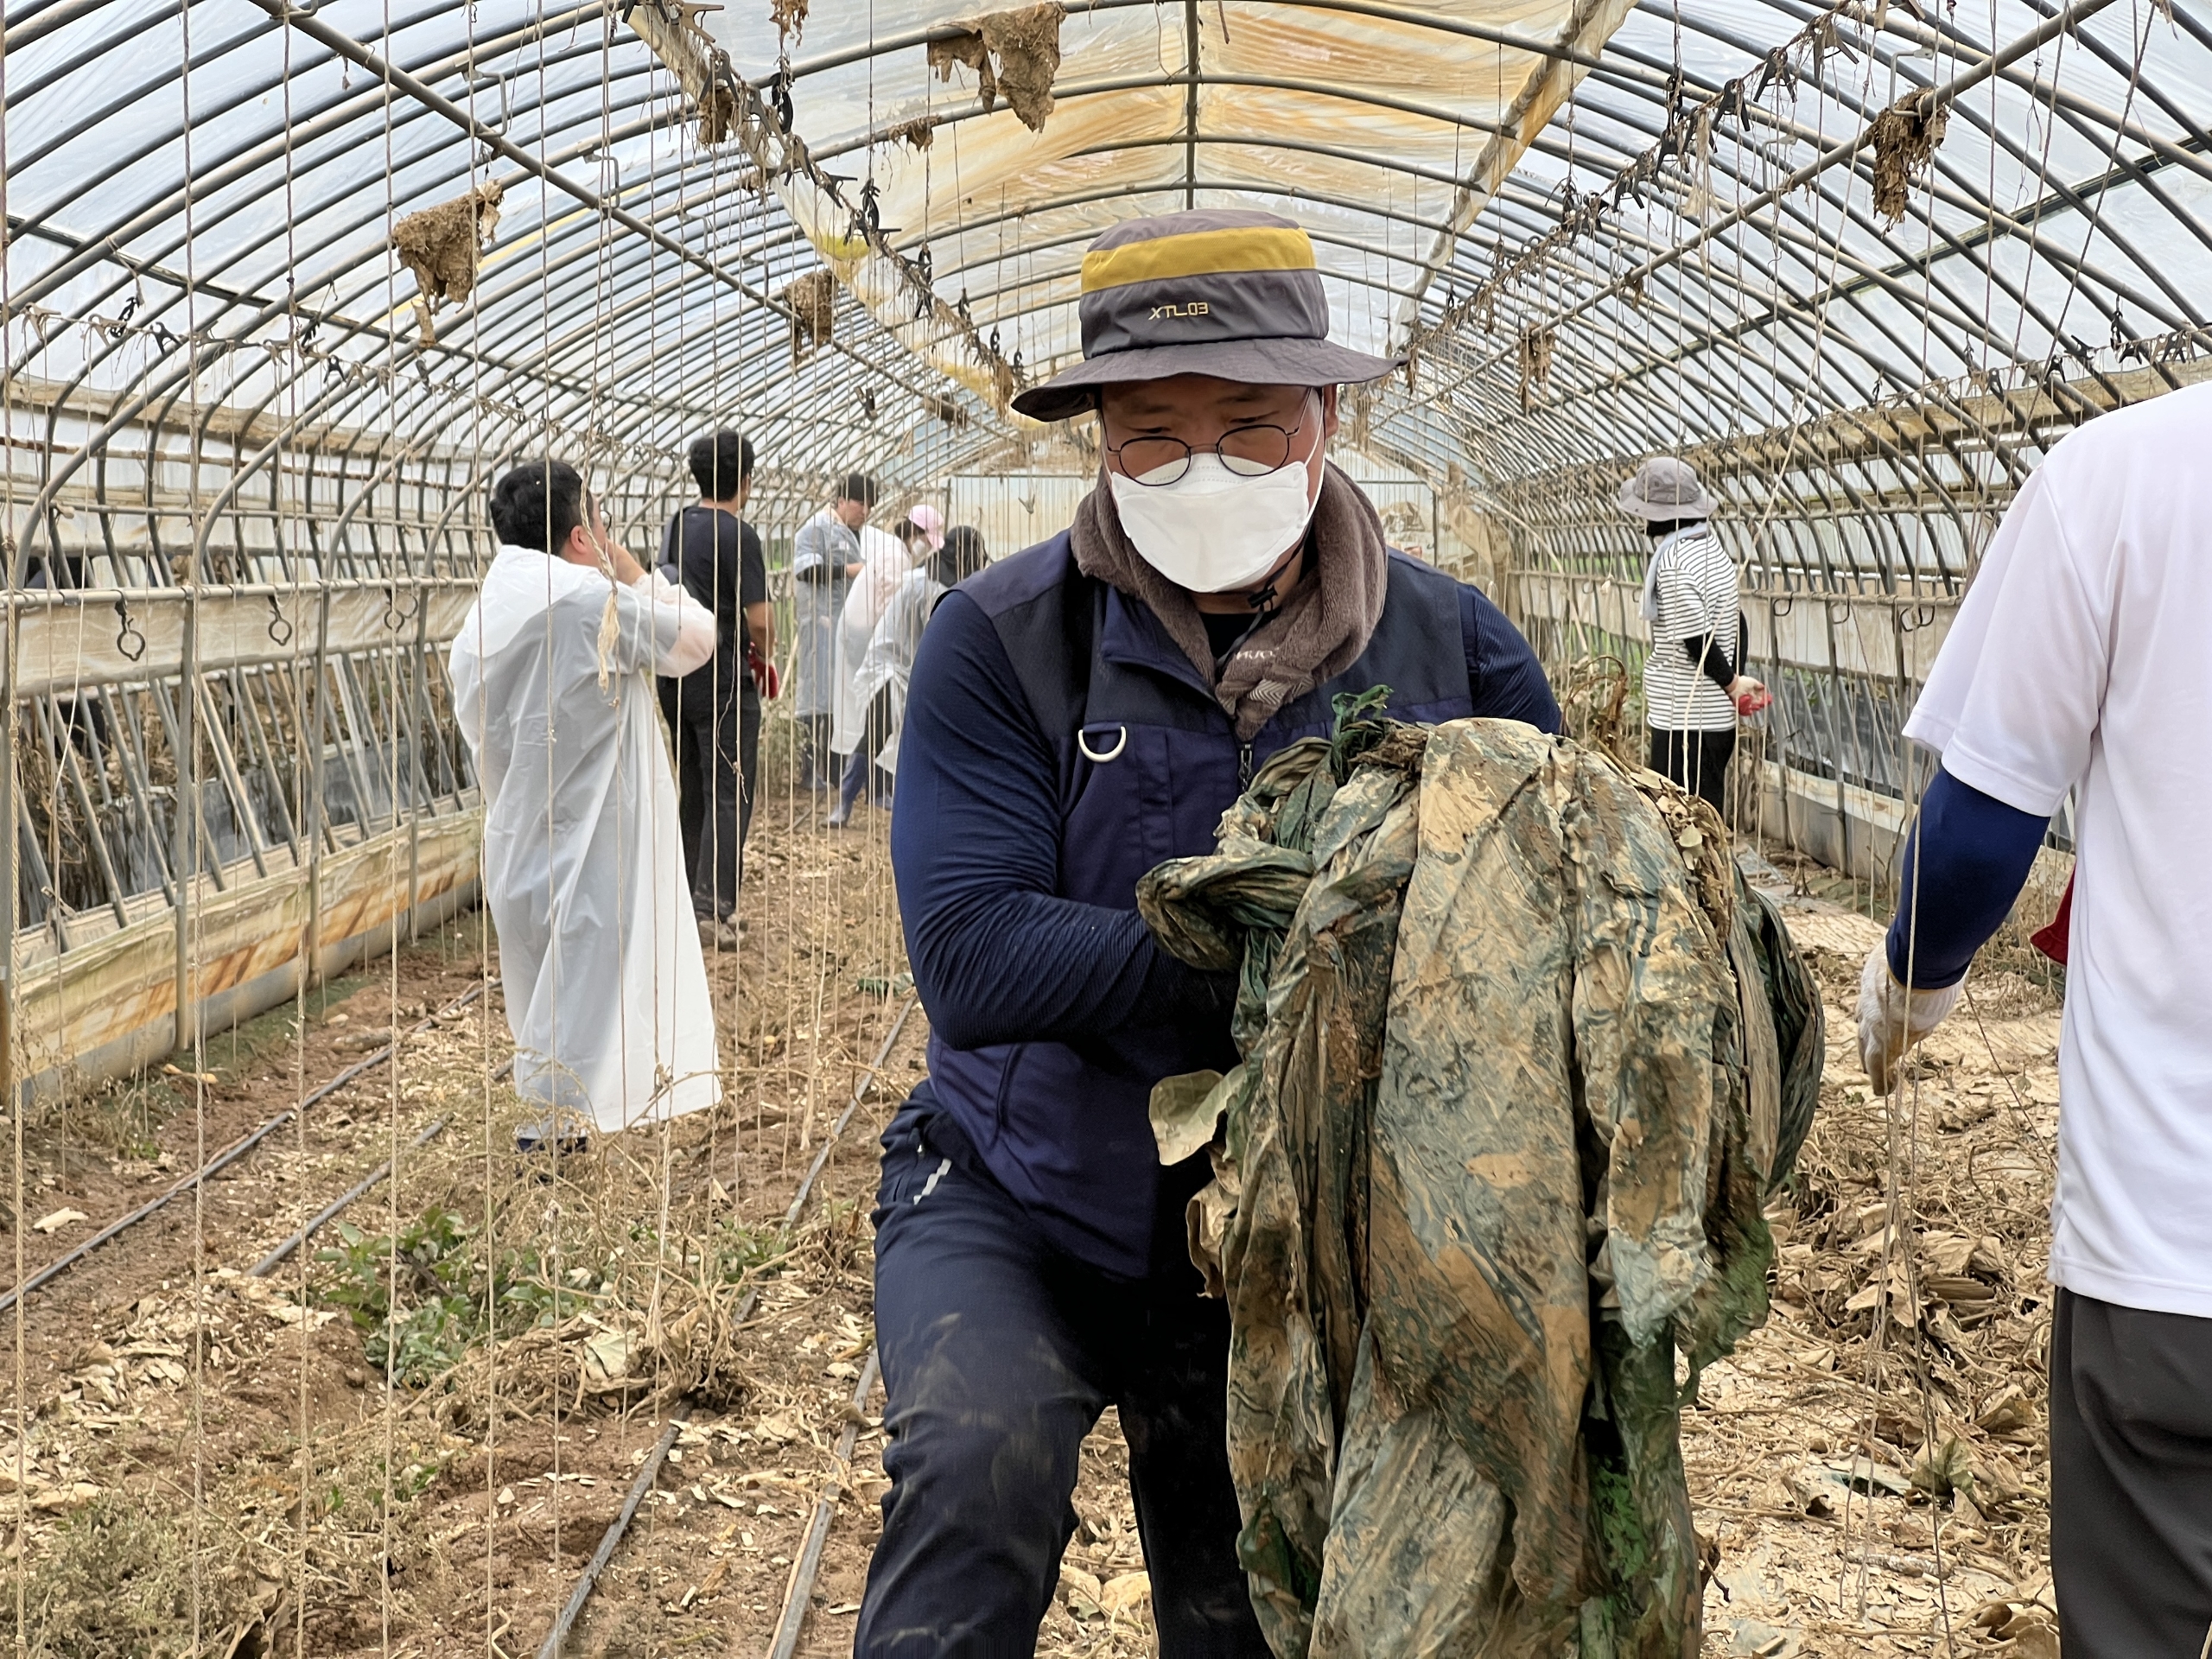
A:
<point x="1244" y="765"/>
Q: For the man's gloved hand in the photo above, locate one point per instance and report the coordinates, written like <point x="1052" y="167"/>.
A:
<point x="765" y="678"/>
<point x="1891" y="1019"/>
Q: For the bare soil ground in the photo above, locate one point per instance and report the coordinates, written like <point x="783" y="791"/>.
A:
<point x="202" y="1463"/>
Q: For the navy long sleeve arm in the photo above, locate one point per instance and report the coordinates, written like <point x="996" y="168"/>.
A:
<point x="975" y="849"/>
<point x="1964" y="864"/>
<point x="1504" y="679"/>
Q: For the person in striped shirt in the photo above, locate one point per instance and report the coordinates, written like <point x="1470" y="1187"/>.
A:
<point x="1692" y="690"/>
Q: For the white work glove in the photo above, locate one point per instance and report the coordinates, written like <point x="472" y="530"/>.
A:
<point x="1891" y="1019"/>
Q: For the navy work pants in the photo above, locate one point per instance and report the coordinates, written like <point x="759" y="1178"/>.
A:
<point x="999" y="1355"/>
<point x="875" y="732"/>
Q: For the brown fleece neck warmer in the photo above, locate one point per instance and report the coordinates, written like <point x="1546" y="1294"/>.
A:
<point x="1318" y="632"/>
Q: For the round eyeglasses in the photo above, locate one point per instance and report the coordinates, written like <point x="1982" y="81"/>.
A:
<point x="1248" y="451"/>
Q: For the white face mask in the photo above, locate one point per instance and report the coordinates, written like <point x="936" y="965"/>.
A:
<point x="1213" y="530"/>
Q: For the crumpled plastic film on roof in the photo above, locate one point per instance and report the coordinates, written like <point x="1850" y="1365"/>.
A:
<point x="1298" y="108"/>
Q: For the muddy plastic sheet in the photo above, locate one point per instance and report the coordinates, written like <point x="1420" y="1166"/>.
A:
<point x="1515" y="1058"/>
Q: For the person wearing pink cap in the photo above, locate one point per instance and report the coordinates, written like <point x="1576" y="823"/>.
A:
<point x="922" y="529"/>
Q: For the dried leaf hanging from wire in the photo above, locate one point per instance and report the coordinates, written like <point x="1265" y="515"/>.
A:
<point x="1535" y="364"/>
<point x="813" y="303"/>
<point x="1697" y="200"/>
<point x="917" y="133"/>
<point x="717" y="110"/>
<point x="1026" y="42"/>
<point x="441" y="245"/>
<point x="967" y="47"/>
<point x="672" y="29"/>
<point x="789" y="17"/>
<point x="1358" y="405"/>
<point x="1904" y="137"/>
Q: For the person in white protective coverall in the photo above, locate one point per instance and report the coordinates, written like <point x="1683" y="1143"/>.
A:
<point x="583" y="858"/>
<point x="880" y="678"/>
<point x="887" y="560"/>
<point x="825" y="560"/>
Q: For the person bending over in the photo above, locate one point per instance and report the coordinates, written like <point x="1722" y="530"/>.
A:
<point x="1077" y="713"/>
<point x="880" y="682"/>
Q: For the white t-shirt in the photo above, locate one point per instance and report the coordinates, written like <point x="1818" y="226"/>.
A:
<point x="1693" y="591"/>
<point x="2082" y="654"/>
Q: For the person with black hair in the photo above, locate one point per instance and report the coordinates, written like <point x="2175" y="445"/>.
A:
<point x="713" y="712"/>
<point x="825" y="557"/>
<point x="583" y="869"/>
<point x="879" y="680"/>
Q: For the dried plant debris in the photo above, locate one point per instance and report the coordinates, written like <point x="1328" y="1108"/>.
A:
<point x="966" y="47"/>
<point x="944" y="409"/>
<point x="917" y="133"/>
<point x="813" y="303"/>
<point x="789" y="17"/>
<point x="1905" y="137"/>
<point x="441" y="245"/>
<point x="1025" y="43"/>
<point x="1358" y="406"/>
<point x="717" y="112"/>
<point x="1535" y="364"/>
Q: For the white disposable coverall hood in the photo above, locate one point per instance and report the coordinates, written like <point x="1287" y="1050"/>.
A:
<point x="583" y="864"/>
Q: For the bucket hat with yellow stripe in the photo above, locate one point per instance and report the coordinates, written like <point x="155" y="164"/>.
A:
<point x="1222" y="291"/>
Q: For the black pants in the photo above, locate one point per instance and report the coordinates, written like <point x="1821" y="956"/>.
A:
<point x="717" y="778"/>
<point x="2131" y="1480"/>
<point x="999" y="1354"/>
<point x="817" y="764"/>
<point x="1696" y="760"/>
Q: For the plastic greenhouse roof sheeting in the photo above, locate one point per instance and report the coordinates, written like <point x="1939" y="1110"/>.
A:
<point x="1325" y="113"/>
<point x="1602" y="227"/>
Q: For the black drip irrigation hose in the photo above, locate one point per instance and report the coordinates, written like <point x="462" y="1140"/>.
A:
<point x="649" y="1472"/>
<point x="324" y="1217"/>
<point x="329" y="1213"/>
<point x="825" y="1510"/>
<point x="225" y="1158"/>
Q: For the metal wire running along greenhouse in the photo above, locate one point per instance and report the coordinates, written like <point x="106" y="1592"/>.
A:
<point x="287" y="286"/>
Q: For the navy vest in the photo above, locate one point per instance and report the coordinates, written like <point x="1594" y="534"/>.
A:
<point x="1066" y="1128"/>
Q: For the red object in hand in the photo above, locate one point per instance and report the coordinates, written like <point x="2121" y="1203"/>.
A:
<point x="763" y="672"/>
<point x="1751" y="701"/>
<point x="2052" y="940"/>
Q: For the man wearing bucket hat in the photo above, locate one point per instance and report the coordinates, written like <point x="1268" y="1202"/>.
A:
<point x="1692" y="690"/>
<point x="1077" y="713"/>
